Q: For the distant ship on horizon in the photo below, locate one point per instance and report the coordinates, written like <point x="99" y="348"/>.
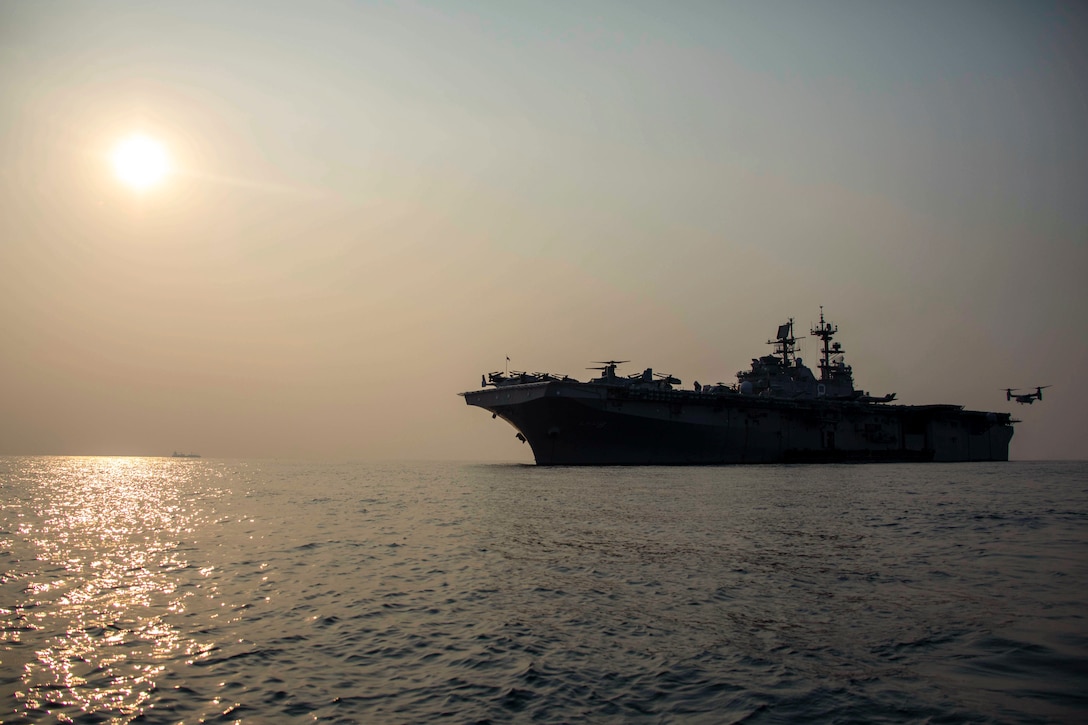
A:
<point x="777" y="412"/>
<point x="185" y="455"/>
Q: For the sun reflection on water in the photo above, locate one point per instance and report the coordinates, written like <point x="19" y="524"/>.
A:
<point x="108" y="536"/>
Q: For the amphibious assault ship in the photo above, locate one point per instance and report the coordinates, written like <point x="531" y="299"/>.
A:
<point x="778" y="411"/>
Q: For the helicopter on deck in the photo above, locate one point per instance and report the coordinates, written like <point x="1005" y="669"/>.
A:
<point x="1025" y="398"/>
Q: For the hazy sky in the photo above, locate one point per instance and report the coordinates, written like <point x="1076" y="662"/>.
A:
<point x="375" y="202"/>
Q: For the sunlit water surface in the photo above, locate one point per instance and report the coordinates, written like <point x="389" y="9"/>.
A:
<point x="169" y="590"/>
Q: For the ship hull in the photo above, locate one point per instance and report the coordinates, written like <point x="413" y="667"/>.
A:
<point x="570" y="423"/>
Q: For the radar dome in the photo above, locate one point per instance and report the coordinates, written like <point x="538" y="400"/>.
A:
<point x="746" y="387"/>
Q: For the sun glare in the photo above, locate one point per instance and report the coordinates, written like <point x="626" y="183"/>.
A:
<point x="140" y="162"/>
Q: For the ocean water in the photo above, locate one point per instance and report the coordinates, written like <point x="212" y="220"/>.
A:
<point x="170" y="590"/>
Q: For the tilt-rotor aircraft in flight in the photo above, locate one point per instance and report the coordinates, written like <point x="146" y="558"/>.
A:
<point x="1025" y="398"/>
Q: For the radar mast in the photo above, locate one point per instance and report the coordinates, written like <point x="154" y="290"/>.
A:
<point x="825" y="331"/>
<point x="832" y="367"/>
<point x="785" y="343"/>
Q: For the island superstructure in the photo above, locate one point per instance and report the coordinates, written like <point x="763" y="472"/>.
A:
<point x="778" y="411"/>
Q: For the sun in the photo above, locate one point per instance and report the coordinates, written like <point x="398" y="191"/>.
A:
<point x="140" y="162"/>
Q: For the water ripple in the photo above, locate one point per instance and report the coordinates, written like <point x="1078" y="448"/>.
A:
<point x="157" y="590"/>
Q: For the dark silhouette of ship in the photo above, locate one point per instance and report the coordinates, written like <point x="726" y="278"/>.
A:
<point x="779" y="411"/>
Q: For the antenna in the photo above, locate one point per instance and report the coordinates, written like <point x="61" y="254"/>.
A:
<point x="825" y="331"/>
<point x="784" y="343"/>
